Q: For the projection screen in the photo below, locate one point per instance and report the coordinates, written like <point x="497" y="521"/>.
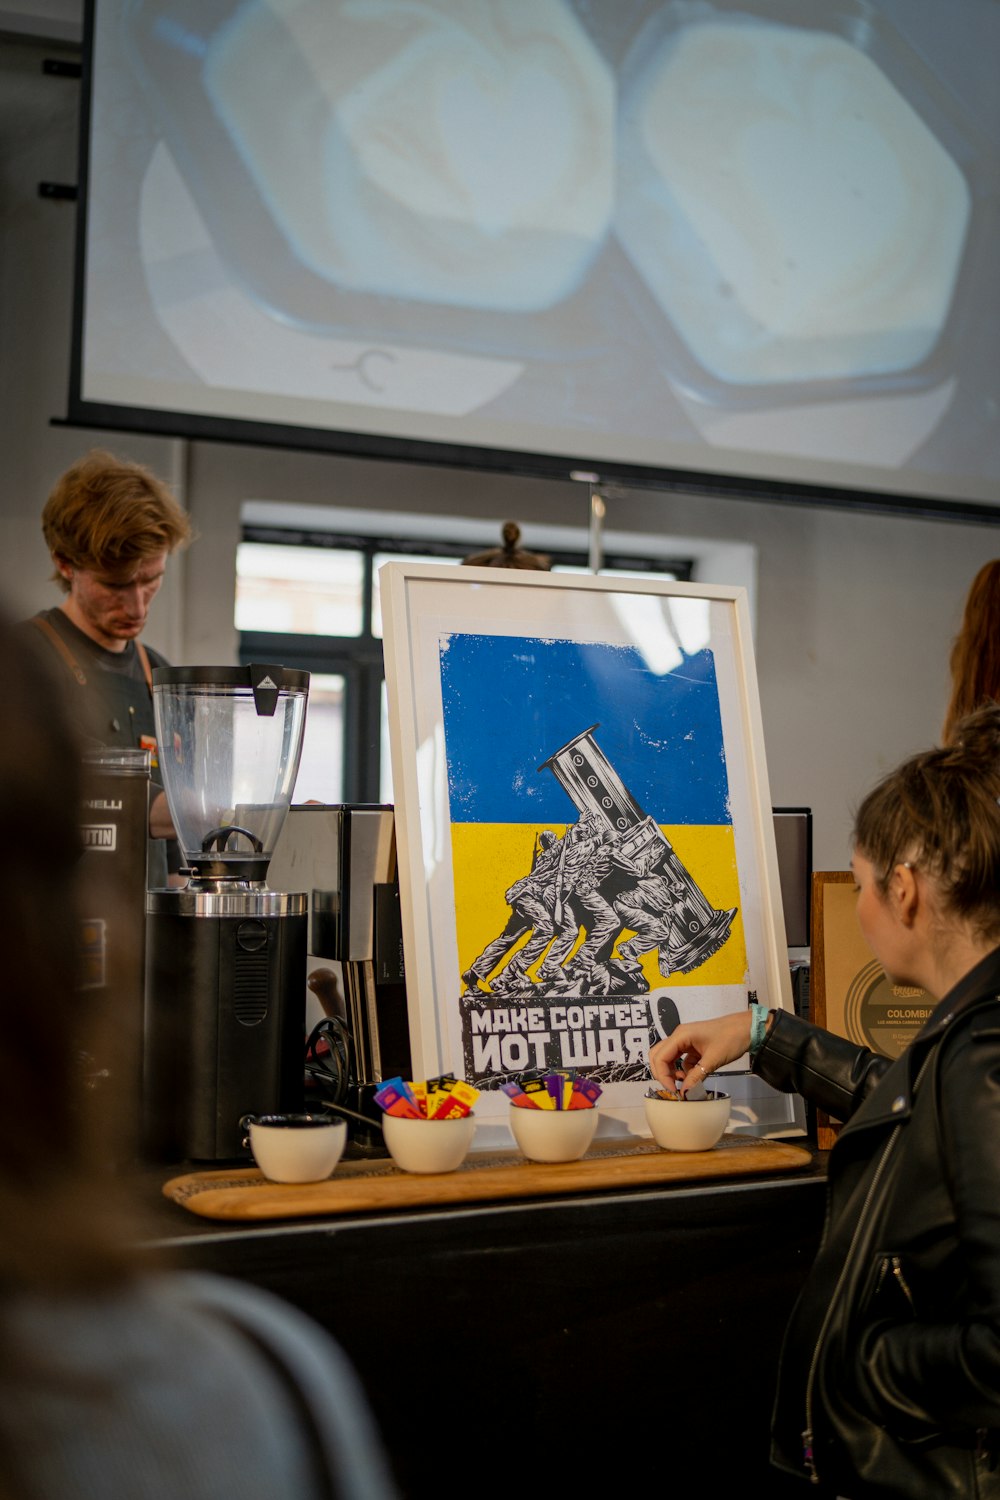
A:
<point x="747" y="243"/>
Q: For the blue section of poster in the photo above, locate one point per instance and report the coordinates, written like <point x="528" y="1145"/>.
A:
<point x="511" y="701"/>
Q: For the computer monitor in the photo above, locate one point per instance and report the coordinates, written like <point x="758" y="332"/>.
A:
<point x="793" y="838"/>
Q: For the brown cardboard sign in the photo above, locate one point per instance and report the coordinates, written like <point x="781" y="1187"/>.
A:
<point x="850" y="992"/>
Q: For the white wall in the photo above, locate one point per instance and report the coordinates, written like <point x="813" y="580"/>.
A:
<point x="56" y="20"/>
<point x="855" y="612"/>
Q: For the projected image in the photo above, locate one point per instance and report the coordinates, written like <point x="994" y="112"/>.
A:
<point x="738" y="237"/>
<point x="790" y="212"/>
<point x="470" y="164"/>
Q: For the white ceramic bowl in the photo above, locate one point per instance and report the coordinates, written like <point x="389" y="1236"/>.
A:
<point x="553" y="1134"/>
<point x="428" y="1145"/>
<point x="296" y="1148"/>
<point x="688" y="1124"/>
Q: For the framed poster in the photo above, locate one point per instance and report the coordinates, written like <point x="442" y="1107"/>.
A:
<point x="850" y="992"/>
<point x="586" y="842"/>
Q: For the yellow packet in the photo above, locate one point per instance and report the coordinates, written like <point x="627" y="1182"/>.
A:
<point x="419" y="1092"/>
<point x="538" y="1093"/>
<point x="438" y="1090"/>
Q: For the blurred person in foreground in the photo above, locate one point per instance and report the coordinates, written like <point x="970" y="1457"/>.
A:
<point x="110" y="527"/>
<point x="974" y="663"/>
<point x="889" y="1385"/>
<point x="115" y="1380"/>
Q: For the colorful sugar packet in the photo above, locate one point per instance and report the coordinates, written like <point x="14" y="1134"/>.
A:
<point x="559" y="1089"/>
<point x="442" y="1098"/>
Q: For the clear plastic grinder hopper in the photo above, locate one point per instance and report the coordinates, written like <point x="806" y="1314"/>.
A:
<point x="229" y="741"/>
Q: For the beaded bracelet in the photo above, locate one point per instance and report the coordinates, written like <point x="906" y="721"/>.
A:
<point x="758" y="1027"/>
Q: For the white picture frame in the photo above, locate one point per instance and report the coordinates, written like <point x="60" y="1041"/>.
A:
<point x="596" y="744"/>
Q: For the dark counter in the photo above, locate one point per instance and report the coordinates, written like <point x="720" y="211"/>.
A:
<point x="539" y="1343"/>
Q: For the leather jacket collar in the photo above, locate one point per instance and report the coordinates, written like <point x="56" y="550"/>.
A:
<point x="893" y="1100"/>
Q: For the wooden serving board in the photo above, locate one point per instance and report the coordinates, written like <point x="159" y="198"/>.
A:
<point x="376" y="1186"/>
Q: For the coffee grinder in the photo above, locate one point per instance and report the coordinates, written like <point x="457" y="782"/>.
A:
<point x="225" y="954"/>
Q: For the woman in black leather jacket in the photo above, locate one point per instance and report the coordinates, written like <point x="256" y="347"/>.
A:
<point x="889" y="1384"/>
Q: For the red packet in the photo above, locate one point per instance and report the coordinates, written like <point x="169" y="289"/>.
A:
<point x="585" y="1093"/>
<point x="457" y="1102"/>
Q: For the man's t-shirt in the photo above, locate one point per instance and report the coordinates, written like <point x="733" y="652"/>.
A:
<point x="112" y="707"/>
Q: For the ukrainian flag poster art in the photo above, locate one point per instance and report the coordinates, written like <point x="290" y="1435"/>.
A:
<point x="590" y="792"/>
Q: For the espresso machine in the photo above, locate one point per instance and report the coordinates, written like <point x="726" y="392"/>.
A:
<point x="225" y="953"/>
<point x="344" y="856"/>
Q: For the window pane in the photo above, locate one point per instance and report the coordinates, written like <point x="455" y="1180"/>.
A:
<point x="384" y="557"/>
<point x="321" y="769"/>
<point x="299" y="590"/>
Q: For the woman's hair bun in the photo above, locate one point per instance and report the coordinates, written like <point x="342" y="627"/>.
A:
<point x="940" y="811"/>
<point x="977" y="736"/>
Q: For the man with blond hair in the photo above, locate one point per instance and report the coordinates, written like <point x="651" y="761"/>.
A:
<point x="110" y="526"/>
